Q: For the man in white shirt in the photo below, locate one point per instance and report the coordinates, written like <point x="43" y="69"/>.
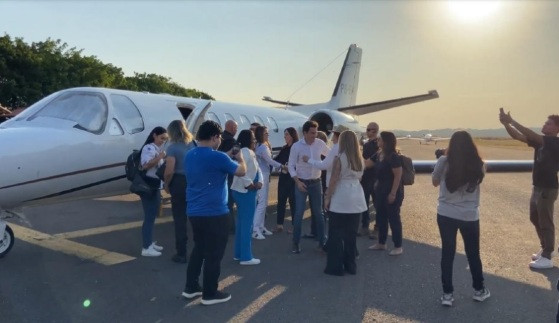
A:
<point x="307" y="182"/>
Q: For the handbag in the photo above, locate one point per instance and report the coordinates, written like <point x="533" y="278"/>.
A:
<point x="160" y="172"/>
<point x="139" y="185"/>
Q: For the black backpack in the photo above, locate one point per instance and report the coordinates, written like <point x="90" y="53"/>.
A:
<point x="408" y="172"/>
<point x="132" y="164"/>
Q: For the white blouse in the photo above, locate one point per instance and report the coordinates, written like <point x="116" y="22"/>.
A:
<point x="240" y="182"/>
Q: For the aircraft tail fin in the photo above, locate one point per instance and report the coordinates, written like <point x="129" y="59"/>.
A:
<point x="345" y="92"/>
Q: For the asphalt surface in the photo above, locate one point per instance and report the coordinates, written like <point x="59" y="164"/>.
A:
<point x="39" y="284"/>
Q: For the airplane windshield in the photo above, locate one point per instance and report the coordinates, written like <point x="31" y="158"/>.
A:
<point x="87" y="109"/>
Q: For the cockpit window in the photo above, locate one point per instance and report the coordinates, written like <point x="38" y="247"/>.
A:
<point x="127" y="113"/>
<point x="87" y="109"/>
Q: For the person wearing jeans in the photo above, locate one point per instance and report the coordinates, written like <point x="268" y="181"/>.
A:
<point x="286" y="185"/>
<point x="307" y="182"/>
<point x="458" y="175"/>
<point x="206" y="171"/>
<point x="389" y="192"/>
<point x="448" y="227"/>
<point x="175" y="183"/>
<point x="244" y="189"/>
<point x="151" y="158"/>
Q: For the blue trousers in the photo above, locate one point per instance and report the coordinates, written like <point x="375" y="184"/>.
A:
<point x="150" y="204"/>
<point x="246" y="205"/>
<point x="314" y="192"/>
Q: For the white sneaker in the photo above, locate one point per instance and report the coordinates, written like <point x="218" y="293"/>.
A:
<point x="481" y="295"/>
<point x="541" y="263"/>
<point x="266" y="232"/>
<point x="156" y="247"/>
<point x="536" y="256"/>
<point x="253" y="261"/>
<point x="447" y="299"/>
<point x="258" y="236"/>
<point x="150" y="252"/>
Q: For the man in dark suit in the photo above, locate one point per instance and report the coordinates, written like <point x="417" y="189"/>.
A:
<point x="227" y="142"/>
<point x="368" y="180"/>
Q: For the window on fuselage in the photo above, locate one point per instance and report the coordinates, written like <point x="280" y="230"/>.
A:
<point x="127" y="113"/>
<point x="273" y="124"/>
<point x="212" y="116"/>
<point x="245" y="123"/>
<point x="228" y="117"/>
<point x="87" y="109"/>
<point x="260" y="121"/>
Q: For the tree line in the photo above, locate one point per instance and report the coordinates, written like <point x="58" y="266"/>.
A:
<point x="29" y="72"/>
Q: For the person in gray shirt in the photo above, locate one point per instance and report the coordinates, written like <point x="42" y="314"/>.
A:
<point x="458" y="174"/>
<point x="175" y="182"/>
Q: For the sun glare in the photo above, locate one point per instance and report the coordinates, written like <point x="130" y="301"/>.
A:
<point x="473" y="10"/>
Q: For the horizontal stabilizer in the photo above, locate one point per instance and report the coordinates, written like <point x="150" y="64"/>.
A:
<point x="383" y="105"/>
<point x="269" y="99"/>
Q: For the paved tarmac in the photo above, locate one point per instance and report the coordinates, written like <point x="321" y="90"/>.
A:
<point x="80" y="262"/>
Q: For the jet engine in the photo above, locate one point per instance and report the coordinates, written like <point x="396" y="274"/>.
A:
<point x="327" y="119"/>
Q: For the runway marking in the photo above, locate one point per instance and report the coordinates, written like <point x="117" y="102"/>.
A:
<point x="68" y="247"/>
<point x="109" y="228"/>
<point x="248" y="312"/>
<point x="373" y="315"/>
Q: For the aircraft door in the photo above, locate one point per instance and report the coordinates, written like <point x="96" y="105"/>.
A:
<point x="196" y="117"/>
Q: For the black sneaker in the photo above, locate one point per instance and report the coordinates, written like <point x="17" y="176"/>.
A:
<point x="296" y="248"/>
<point x="192" y="292"/>
<point x="219" y="297"/>
<point x="179" y="259"/>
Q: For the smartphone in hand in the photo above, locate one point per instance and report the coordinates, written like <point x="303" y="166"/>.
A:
<point x="235" y="150"/>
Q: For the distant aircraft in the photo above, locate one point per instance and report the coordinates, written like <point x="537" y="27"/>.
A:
<point x="425" y="139"/>
<point x="73" y="143"/>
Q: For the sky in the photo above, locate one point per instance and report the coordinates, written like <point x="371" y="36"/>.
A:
<point x="479" y="55"/>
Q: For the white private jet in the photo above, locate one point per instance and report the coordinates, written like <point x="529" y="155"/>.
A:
<point x="73" y="143"/>
<point x="425" y="139"/>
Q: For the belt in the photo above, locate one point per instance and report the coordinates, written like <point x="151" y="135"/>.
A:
<point x="314" y="180"/>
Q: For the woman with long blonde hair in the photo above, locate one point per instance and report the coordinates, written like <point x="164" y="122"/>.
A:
<point x="175" y="182"/>
<point x="345" y="201"/>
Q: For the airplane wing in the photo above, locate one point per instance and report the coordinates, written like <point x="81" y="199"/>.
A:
<point x="383" y="105"/>
<point x="269" y="99"/>
<point x="439" y="139"/>
<point x="427" y="166"/>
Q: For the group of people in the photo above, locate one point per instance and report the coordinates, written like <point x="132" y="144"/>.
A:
<point x="204" y="182"/>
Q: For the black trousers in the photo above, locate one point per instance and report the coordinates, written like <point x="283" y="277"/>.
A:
<point x="369" y="192"/>
<point x="177" y="188"/>
<point x="210" y="239"/>
<point x="341" y="243"/>
<point x="389" y="214"/>
<point x="469" y="230"/>
<point x="286" y="191"/>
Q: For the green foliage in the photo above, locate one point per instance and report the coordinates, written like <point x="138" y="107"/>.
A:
<point x="30" y="72"/>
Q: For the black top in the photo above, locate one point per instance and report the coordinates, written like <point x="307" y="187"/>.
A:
<point x="369" y="149"/>
<point x="546" y="162"/>
<point x="227" y="141"/>
<point x="283" y="158"/>
<point x="385" y="176"/>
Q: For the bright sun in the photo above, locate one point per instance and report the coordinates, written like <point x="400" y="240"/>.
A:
<point x="473" y="10"/>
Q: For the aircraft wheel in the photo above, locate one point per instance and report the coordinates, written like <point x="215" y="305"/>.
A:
<point x="6" y="242"/>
